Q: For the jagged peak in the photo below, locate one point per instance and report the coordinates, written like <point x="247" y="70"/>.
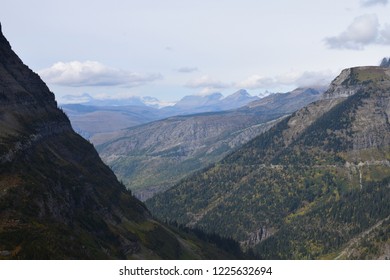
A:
<point x="385" y="62"/>
<point x="241" y="92"/>
<point x="18" y="83"/>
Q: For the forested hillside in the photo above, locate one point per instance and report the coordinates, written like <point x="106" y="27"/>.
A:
<point x="307" y="187"/>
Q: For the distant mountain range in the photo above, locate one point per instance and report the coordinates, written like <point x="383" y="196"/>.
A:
<point x="204" y="103"/>
<point x="88" y="100"/>
<point x="152" y="157"/>
<point x="91" y="116"/>
<point x="314" y="186"/>
<point x="90" y="120"/>
<point x="213" y="102"/>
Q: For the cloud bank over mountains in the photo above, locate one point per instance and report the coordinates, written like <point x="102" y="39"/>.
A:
<point x="298" y="79"/>
<point x="206" y="81"/>
<point x="93" y="73"/>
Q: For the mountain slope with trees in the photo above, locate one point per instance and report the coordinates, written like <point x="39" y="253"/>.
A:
<point x="308" y="186"/>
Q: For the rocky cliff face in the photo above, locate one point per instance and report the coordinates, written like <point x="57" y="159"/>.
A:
<point x="351" y="80"/>
<point x="57" y="198"/>
<point x="372" y="83"/>
<point x="24" y="98"/>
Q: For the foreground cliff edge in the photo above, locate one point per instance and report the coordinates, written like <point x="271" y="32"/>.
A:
<point x="57" y="198"/>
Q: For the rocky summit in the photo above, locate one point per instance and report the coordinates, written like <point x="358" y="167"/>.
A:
<point x="57" y="198"/>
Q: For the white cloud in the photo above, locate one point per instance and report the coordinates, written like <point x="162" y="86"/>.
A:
<point x="297" y="79"/>
<point x="206" y="82"/>
<point x="93" y="73"/>
<point x="385" y="35"/>
<point x="368" y="3"/>
<point x="207" y="91"/>
<point x="312" y="78"/>
<point x="257" y="81"/>
<point x="362" y="31"/>
<point x="187" y="69"/>
<point x="74" y="99"/>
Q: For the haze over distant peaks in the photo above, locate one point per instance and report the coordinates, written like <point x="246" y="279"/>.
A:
<point x="87" y="99"/>
<point x="213" y="101"/>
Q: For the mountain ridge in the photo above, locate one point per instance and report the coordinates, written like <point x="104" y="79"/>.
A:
<point x="108" y="115"/>
<point x="164" y="151"/>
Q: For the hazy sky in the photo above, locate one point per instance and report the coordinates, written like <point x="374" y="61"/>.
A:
<point x="171" y="48"/>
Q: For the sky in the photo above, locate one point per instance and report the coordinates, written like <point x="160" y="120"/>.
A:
<point x="172" y="48"/>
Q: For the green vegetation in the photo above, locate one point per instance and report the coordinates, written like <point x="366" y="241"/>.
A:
<point x="60" y="209"/>
<point x="329" y="225"/>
